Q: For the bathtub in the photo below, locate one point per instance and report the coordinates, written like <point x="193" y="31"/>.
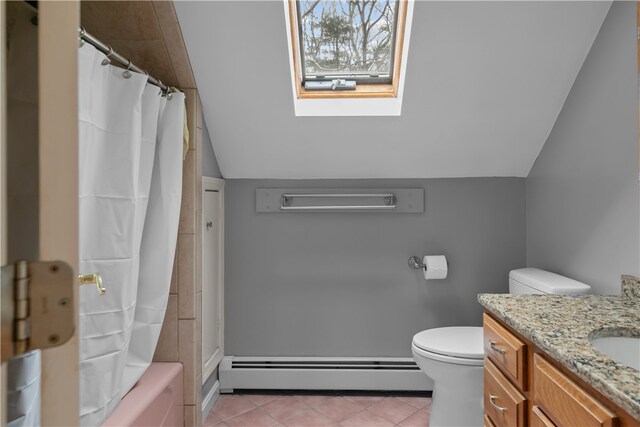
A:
<point x="156" y="400"/>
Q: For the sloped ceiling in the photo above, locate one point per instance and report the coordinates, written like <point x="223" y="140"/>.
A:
<point x="485" y="83"/>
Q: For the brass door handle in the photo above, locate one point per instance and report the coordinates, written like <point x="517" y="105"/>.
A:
<point x="92" y="279"/>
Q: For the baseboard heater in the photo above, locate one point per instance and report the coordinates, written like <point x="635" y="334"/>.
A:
<point x="321" y="373"/>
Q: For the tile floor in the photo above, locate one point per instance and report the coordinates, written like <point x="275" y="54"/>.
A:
<point x="320" y="410"/>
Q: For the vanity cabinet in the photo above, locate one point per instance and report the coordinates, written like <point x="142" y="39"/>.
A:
<point x="524" y="387"/>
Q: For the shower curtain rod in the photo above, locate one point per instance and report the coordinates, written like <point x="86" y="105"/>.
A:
<point x="113" y="55"/>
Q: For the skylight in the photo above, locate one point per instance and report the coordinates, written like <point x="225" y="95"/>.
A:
<point x="347" y="39"/>
<point x="348" y="57"/>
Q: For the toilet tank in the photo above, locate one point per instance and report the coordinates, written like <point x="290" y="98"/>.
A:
<point x="531" y="281"/>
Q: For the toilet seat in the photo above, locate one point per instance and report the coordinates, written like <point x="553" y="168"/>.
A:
<point x="459" y="344"/>
<point x="417" y="351"/>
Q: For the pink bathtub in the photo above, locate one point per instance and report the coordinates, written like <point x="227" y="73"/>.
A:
<point x="156" y="400"/>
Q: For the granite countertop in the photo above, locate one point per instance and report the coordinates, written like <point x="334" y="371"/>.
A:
<point x="562" y="325"/>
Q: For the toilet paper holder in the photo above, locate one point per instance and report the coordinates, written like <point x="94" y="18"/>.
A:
<point x="416" y="263"/>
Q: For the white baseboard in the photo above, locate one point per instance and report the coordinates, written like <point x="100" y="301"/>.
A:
<point x="209" y="399"/>
<point x="321" y="373"/>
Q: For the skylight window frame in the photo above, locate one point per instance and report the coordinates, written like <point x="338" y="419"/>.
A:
<point x="359" y="77"/>
<point x="364" y="88"/>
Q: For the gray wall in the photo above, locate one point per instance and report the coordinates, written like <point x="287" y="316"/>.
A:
<point x="582" y="192"/>
<point x="338" y="284"/>
<point x="210" y="166"/>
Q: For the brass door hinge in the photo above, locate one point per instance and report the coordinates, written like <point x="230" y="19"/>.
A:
<point x="37" y="306"/>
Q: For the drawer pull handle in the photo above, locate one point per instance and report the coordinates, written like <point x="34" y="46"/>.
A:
<point x="495" y="348"/>
<point x="496" y="407"/>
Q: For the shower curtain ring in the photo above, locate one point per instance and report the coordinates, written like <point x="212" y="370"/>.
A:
<point x="107" y="60"/>
<point x="126" y="74"/>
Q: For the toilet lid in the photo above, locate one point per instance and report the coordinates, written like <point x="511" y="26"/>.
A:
<point x="456" y="341"/>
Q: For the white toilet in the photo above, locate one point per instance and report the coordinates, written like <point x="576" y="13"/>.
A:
<point x="453" y="357"/>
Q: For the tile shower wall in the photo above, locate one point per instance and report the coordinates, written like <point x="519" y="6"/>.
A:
<point x="338" y="284"/>
<point x="182" y="328"/>
<point x="147" y="32"/>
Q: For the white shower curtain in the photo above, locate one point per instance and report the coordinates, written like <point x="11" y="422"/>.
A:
<point x="158" y="240"/>
<point x="120" y="122"/>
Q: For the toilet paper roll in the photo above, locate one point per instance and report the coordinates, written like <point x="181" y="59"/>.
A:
<point x="436" y="267"/>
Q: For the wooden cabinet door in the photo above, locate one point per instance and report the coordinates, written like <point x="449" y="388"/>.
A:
<point x="564" y="401"/>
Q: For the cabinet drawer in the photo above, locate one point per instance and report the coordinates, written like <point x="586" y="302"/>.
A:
<point x="539" y="419"/>
<point x="503" y="403"/>
<point x="505" y="350"/>
<point x="564" y="401"/>
<point x="486" y="421"/>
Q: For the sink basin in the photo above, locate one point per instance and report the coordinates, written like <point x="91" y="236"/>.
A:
<point x="624" y="350"/>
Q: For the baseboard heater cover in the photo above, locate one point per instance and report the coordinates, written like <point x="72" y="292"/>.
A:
<point x="321" y="373"/>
